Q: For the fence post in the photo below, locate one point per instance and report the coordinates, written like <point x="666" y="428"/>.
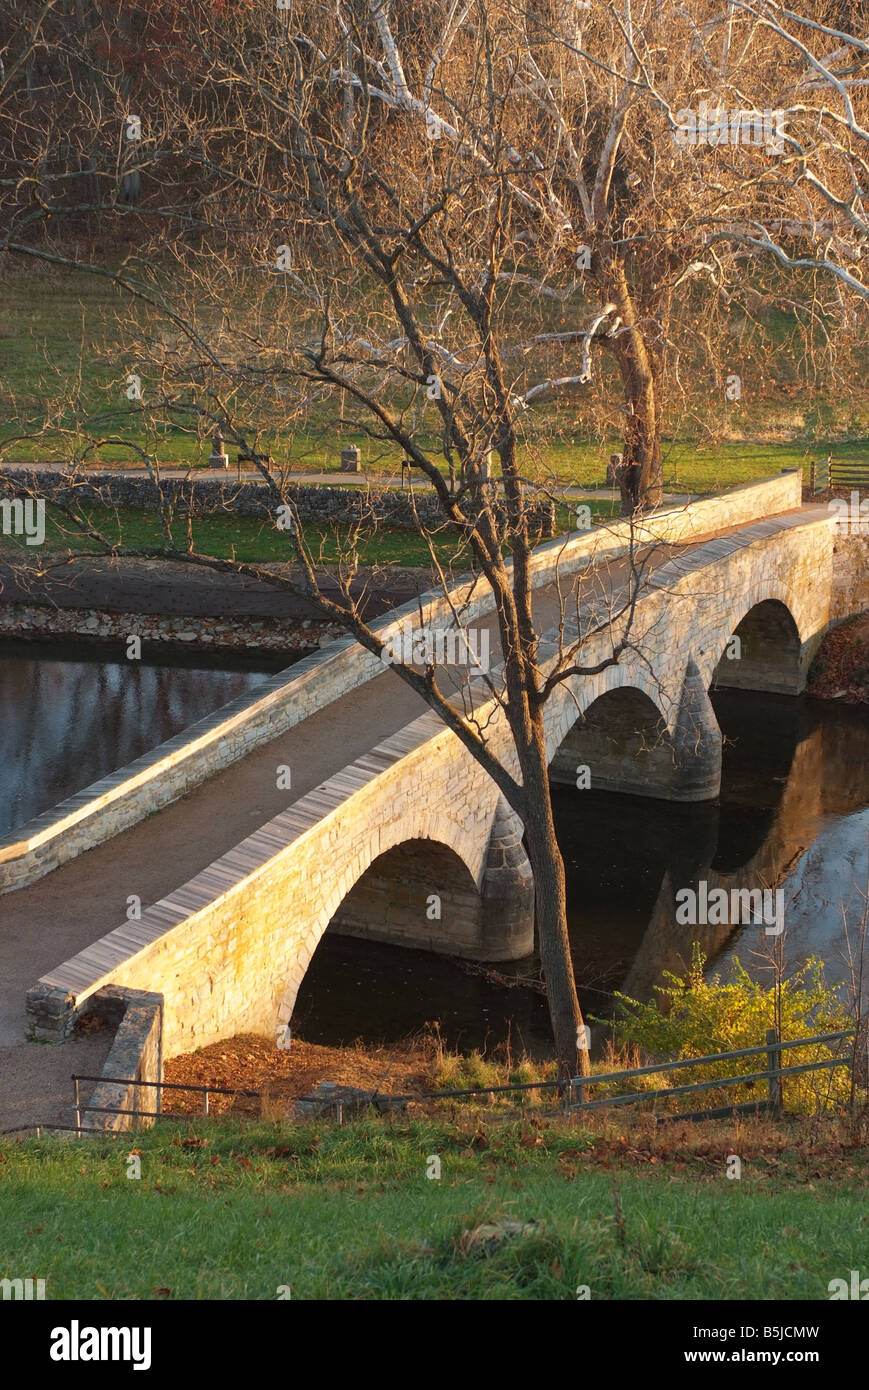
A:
<point x="205" y="1101"/>
<point x="580" y="1094"/>
<point x="773" y="1061"/>
<point x="77" y="1105"/>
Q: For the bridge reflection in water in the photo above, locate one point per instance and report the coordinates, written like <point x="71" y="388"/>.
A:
<point x="793" y="812"/>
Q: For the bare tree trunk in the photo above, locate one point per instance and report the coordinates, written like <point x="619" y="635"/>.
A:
<point x="551" y="910"/>
<point x="641" y="469"/>
<point x="642" y="476"/>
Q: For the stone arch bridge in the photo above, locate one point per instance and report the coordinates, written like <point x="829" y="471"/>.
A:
<point x="412" y="842"/>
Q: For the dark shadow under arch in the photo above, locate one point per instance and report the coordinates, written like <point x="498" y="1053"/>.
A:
<point x="623" y="740"/>
<point x="766" y="653"/>
<point x="418" y="894"/>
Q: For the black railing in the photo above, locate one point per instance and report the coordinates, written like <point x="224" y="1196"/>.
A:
<point x="573" y="1090"/>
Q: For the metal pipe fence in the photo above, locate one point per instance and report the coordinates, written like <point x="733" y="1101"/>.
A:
<point x="574" y="1089"/>
<point x="772" y="1074"/>
<point x="160" y="1086"/>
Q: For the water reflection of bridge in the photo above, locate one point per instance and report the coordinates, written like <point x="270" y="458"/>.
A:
<point x="784" y="778"/>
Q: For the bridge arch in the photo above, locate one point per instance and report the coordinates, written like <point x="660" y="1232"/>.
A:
<point x="625" y="742"/>
<point x="461" y="889"/>
<point x="420" y="893"/>
<point x="622" y="741"/>
<point x="763" y="650"/>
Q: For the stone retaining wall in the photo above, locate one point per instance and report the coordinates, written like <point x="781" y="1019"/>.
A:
<point x="212" y="496"/>
<point x="38" y="622"/>
<point x="136" y="1054"/>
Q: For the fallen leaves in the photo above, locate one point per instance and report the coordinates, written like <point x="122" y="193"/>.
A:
<point x="251" y="1063"/>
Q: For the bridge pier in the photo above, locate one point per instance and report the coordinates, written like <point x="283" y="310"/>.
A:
<point x="507" y="901"/>
<point x="625" y="745"/>
<point x="696" y="743"/>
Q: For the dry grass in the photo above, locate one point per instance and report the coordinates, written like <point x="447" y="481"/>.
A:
<point x="632" y="1138"/>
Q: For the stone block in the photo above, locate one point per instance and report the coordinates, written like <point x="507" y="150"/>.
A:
<point x="330" y="1101"/>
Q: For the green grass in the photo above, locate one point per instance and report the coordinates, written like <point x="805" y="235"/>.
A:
<point x="225" y="537"/>
<point x="251" y="540"/>
<point x="55" y="343"/>
<point x="224" y="1212"/>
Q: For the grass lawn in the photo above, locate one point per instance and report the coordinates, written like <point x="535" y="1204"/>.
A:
<point x="225" y="1212"/>
<point x="249" y="539"/>
<point x="53" y="345"/>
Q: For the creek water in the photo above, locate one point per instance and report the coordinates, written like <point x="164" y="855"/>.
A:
<point x="793" y="813"/>
<point x="70" y="714"/>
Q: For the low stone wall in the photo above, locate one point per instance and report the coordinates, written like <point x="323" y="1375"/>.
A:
<point x="39" y="623"/>
<point x="135" y="1054"/>
<point x="211" y="496"/>
<point x="168" y="771"/>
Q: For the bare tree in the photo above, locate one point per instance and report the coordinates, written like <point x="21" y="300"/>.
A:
<point x="425" y="214"/>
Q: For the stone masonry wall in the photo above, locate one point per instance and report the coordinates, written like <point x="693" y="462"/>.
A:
<point x="850" y="575"/>
<point x="34" y="622"/>
<point x="211" y="496"/>
<point x="137" y="1054"/>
